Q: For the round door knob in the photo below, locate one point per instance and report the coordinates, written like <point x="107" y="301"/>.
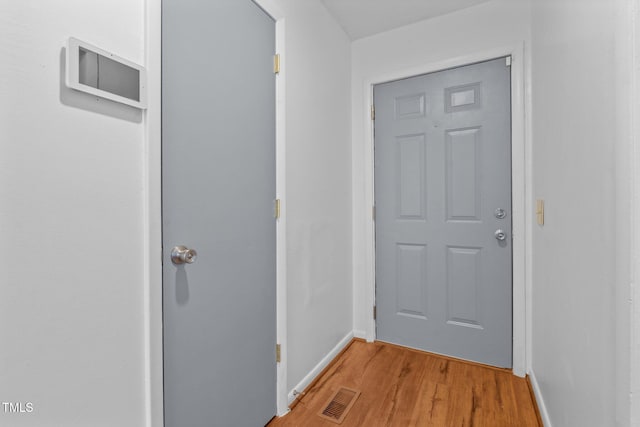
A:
<point x="500" y="234"/>
<point x="183" y="255"/>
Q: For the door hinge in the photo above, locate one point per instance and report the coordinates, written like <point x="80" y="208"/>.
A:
<point x="373" y="112"/>
<point x="278" y="353"/>
<point x="375" y="313"/>
<point x="276" y="63"/>
<point x="277" y="209"/>
<point x="508" y="61"/>
<point x="539" y="212"/>
<point x="373" y="212"/>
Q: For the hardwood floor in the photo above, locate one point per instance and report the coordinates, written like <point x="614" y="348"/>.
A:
<point x="404" y="387"/>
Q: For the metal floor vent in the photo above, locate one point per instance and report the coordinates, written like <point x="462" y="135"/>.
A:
<point x="339" y="405"/>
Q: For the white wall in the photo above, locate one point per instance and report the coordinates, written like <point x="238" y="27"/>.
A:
<point x="71" y="218"/>
<point x="581" y="252"/>
<point x="318" y="176"/>
<point x="496" y="24"/>
<point x="75" y="191"/>
<point x="74" y="178"/>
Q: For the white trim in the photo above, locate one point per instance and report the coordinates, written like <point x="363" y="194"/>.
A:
<point x="521" y="182"/>
<point x="522" y="189"/>
<point x="357" y="333"/>
<point x="542" y="408"/>
<point x="154" y="404"/>
<point x="273" y="9"/>
<point x="326" y="360"/>
<point x="529" y="203"/>
<point x="281" y="236"/>
<point x="627" y="179"/>
<point x="630" y="24"/>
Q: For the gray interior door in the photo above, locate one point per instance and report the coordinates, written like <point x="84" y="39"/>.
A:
<point x="218" y="166"/>
<point x="443" y="212"/>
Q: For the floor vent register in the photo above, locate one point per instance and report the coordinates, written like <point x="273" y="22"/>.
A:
<point x="339" y="405"/>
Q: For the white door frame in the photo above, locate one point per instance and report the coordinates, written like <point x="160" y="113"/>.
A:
<point x="628" y="208"/>
<point x="521" y="191"/>
<point x="152" y="197"/>
<point x="630" y="19"/>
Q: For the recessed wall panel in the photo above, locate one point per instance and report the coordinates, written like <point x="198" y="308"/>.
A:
<point x="410" y="177"/>
<point x="411" y="266"/>
<point x="410" y="106"/>
<point x="463" y="174"/>
<point x="463" y="276"/>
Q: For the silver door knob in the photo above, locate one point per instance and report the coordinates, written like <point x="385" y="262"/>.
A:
<point x="183" y="255"/>
<point x="500" y="234"/>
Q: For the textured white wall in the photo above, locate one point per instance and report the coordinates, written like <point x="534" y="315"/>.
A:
<point x="318" y="176"/>
<point x="71" y="217"/>
<point x="576" y="131"/>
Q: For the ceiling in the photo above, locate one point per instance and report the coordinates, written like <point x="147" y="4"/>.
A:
<point x="362" y="18"/>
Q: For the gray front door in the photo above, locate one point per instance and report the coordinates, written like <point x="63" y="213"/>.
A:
<point x="443" y="212"/>
<point x="218" y="190"/>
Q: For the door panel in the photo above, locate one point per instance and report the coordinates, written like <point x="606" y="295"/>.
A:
<point x="218" y="165"/>
<point x="442" y="168"/>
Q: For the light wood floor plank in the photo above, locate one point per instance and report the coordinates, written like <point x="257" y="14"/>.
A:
<point x="404" y="387"/>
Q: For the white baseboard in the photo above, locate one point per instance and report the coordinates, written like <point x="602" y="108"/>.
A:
<point x="360" y="334"/>
<point x="544" y="414"/>
<point x="299" y="388"/>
